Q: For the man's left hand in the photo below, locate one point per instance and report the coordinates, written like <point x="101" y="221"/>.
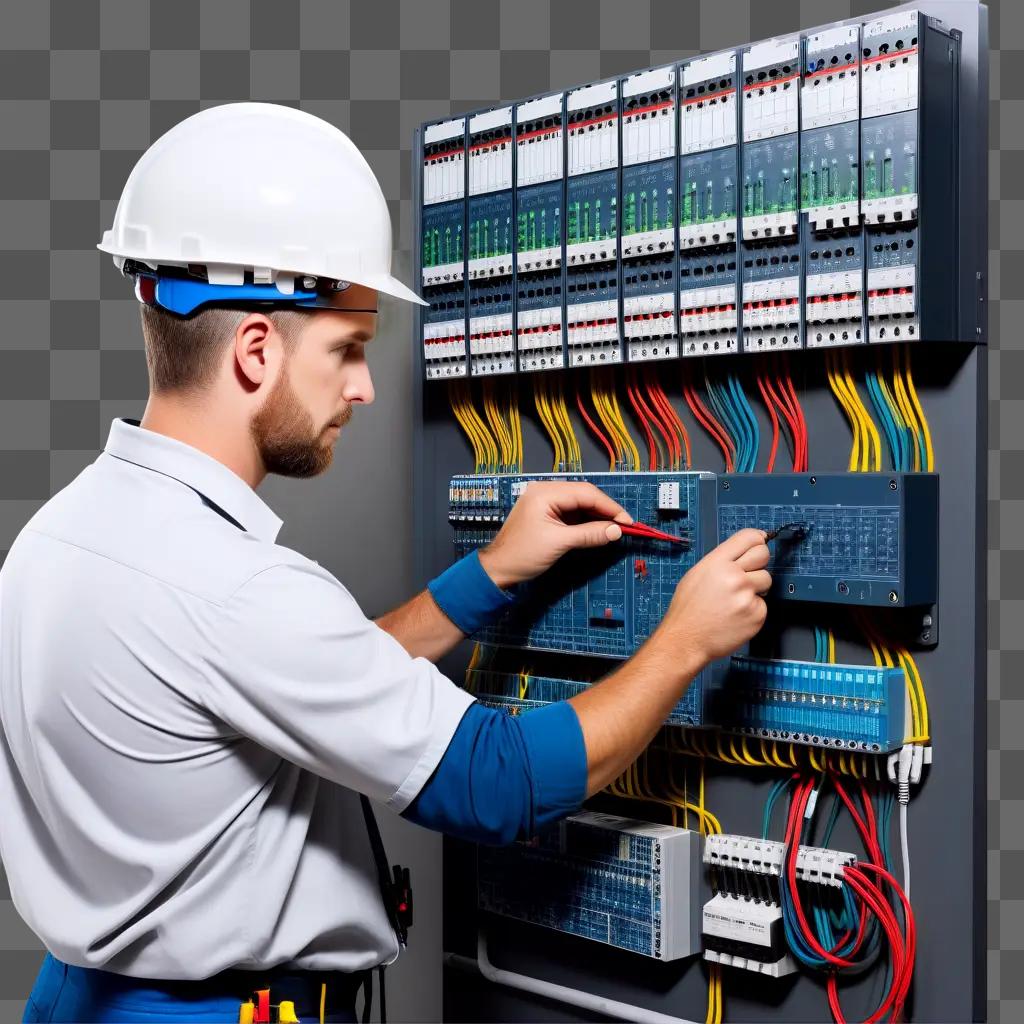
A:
<point x="549" y="519"/>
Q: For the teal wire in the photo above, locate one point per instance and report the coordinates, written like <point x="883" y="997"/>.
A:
<point x="728" y="421"/>
<point x="778" y="787"/>
<point x="743" y="405"/>
<point x="884" y="414"/>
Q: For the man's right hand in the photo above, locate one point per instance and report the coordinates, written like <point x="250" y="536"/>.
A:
<point x="718" y="605"/>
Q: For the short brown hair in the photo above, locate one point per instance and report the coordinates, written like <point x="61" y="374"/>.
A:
<point x="183" y="353"/>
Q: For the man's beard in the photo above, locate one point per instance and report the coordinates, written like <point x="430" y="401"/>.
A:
<point x="286" y="436"/>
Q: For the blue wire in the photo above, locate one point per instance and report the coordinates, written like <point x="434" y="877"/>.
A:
<point x="743" y="405"/>
<point x="718" y="403"/>
<point x="885" y="415"/>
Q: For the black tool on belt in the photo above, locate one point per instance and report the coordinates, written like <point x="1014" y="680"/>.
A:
<point x="396" y="892"/>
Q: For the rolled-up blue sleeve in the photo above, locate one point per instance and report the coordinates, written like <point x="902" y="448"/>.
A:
<point x="504" y="777"/>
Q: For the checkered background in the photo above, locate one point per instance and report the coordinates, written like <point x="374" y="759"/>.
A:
<point x="86" y="85"/>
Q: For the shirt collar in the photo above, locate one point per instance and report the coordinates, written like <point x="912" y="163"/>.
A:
<point x="204" y="474"/>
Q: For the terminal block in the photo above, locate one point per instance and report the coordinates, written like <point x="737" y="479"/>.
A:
<point x="625" y="883"/>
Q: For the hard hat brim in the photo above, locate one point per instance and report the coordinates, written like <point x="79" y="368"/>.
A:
<point x="391" y="286"/>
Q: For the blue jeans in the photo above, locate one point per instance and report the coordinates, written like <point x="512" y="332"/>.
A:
<point x="79" y="995"/>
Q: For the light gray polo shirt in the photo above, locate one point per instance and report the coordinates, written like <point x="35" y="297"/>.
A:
<point x="188" y="712"/>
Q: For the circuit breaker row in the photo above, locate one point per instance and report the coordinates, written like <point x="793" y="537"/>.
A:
<point x="761" y="199"/>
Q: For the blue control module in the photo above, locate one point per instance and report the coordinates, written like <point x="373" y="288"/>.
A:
<point x="603" y="601"/>
<point x="867" y="539"/>
<point x="630" y="884"/>
<point x="842" y="707"/>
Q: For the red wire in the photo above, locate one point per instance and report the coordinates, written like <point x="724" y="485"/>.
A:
<point x="676" y="420"/>
<point x="594" y="427"/>
<point x="794" y="418"/>
<point x="799" y="413"/>
<point x="652" y="451"/>
<point x="796" y="814"/>
<point x="710" y="424"/>
<point x="654" y="416"/>
<point x="800" y="417"/>
<point x="789" y="418"/>
<point x="663" y="421"/>
<point x="770" y="405"/>
<point x="911" y="927"/>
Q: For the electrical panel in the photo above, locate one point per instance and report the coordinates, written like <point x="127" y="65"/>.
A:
<point x="442" y="260"/>
<point x="856" y="708"/>
<point x="629" y="884"/>
<point x="603" y="601"/>
<point x="490" y="237"/>
<point x="868" y="539"/>
<point x="763" y="199"/>
<point x="649" y="169"/>
<point x="814" y="191"/>
<point x="540" y="233"/>
<point x="708" y="177"/>
<point x="830" y="187"/>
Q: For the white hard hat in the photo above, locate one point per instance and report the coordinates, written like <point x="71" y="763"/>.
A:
<point x="255" y="200"/>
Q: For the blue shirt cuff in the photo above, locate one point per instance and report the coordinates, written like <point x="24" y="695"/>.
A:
<point x="468" y="596"/>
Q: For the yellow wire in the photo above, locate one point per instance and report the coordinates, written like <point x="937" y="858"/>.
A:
<point x="551" y="400"/>
<point x="458" y="403"/>
<point x="631" y="448"/>
<point x="840" y="394"/>
<point x="517" y="429"/>
<point x="540" y="400"/>
<point x="562" y="411"/>
<point x="597" y="394"/>
<point x="870" y="431"/>
<point x="490" y="446"/>
<point x="831" y="647"/>
<point x="497" y="426"/>
<point x="905" y="408"/>
<point x="919" y="409"/>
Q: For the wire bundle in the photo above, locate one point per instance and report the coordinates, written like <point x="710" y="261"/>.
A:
<point x="668" y="442"/>
<point x="549" y="398"/>
<point x="623" y="454"/>
<point x="709" y="422"/>
<point x="486" y="452"/>
<point x="900" y="412"/>
<point x="780" y="398"/>
<point x="730" y="404"/>
<point x="857" y="947"/>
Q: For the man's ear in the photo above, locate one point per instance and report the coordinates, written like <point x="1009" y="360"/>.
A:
<point x="251" y="348"/>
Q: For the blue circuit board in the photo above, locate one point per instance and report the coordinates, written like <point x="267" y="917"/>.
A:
<point x="603" y="601"/>
<point x="581" y="877"/>
<point x="844" y="707"/>
<point x="864" y="538"/>
<point x="517" y="694"/>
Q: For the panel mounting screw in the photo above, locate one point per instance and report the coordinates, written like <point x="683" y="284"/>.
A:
<point x="893" y="596"/>
<point x="893" y="485"/>
<point x="725" y="485"/>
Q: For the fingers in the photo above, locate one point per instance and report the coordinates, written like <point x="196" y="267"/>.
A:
<point x="756" y="557"/>
<point x="741" y="542"/>
<point x="592" y="535"/>
<point x="761" y="580"/>
<point x="574" y="497"/>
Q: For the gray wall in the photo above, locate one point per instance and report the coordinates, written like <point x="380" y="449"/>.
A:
<point x="83" y="92"/>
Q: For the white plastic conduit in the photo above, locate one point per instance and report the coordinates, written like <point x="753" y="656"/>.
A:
<point x="561" y="993"/>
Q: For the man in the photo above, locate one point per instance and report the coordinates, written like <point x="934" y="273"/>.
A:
<point x="190" y="711"/>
